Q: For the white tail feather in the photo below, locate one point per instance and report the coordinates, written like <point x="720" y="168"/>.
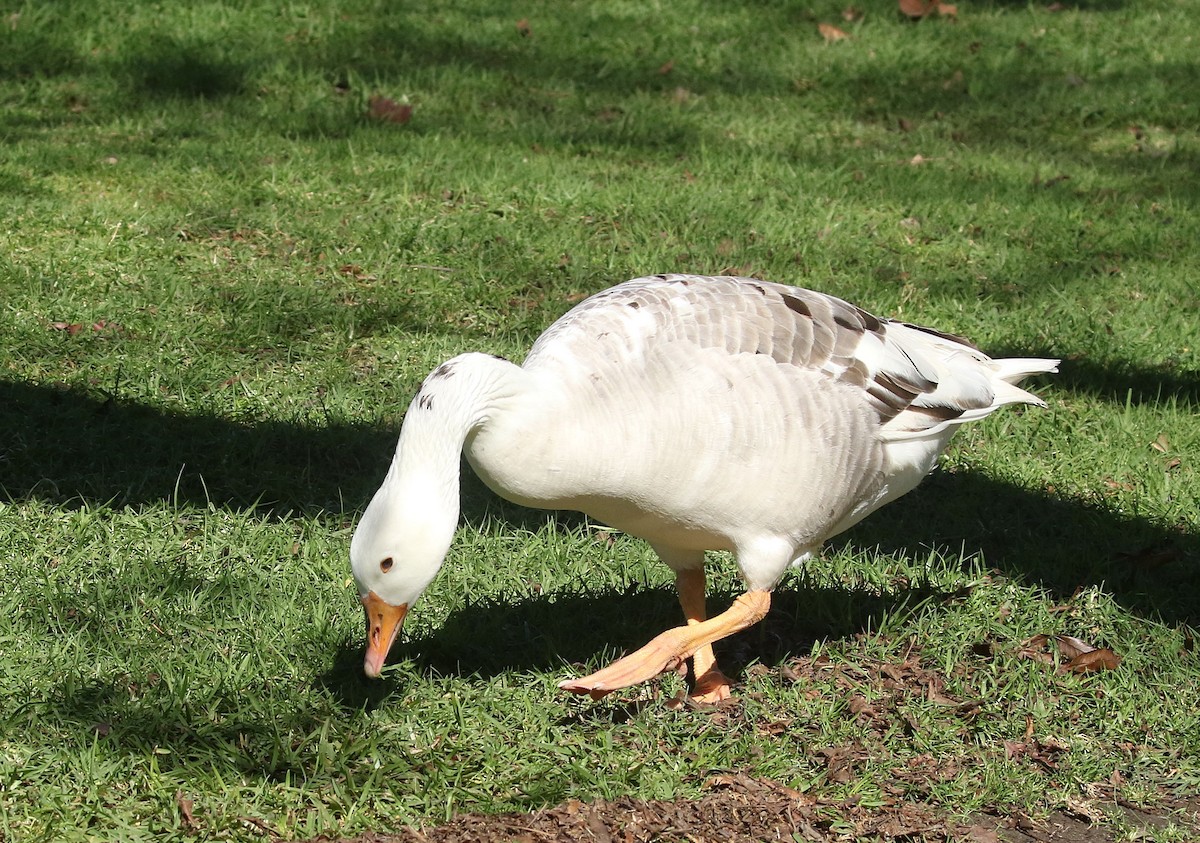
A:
<point x="1014" y="369"/>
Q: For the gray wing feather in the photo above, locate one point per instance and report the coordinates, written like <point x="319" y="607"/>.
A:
<point x="897" y="366"/>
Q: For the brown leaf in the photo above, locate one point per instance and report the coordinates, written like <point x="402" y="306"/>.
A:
<point x="839" y="763"/>
<point x="523" y="28"/>
<point x="852" y="14"/>
<point x="786" y="672"/>
<point x="860" y="705"/>
<point x="1081" y="657"/>
<point x="71" y="328"/>
<point x="1014" y="749"/>
<point x="185" y="810"/>
<point x="666" y="67"/>
<point x="388" y="110"/>
<point x="1035" y="648"/>
<point x="1093" y="660"/>
<point x="934" y="694"/>
<point x="356" y="272"/>
<point x="1070" y="647"/>
<point x="917" y="8"/>
<point x="831" y="33"/>
<point x="1162" y="444"/>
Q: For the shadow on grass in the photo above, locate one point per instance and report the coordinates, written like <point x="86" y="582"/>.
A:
<point x="564" y="632"/>
<point x="66" y="448"/>
<point x="1035" y="538"/>
<point x="70" y="449"/>
<point x="1123" y="382"/>
<point x="569" y="631"/>
<point x="166" y="66"/>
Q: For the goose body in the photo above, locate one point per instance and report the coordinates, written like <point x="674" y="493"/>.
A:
<point x="698" y="413"/>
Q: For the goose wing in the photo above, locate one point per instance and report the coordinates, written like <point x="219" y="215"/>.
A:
<point x="917" y="380"/>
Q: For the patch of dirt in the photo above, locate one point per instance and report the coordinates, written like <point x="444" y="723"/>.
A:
<point x="741" y="808"/>
<point x="880" y="697"/>
<point x="1080" y="826"/>
<point x="736" y="808"/>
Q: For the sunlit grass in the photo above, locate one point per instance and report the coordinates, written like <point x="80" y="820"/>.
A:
<point x="220" y="283"/>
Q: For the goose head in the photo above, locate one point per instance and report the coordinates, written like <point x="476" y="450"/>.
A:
<point x="397" y="549"/>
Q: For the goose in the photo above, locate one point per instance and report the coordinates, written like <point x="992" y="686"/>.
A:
<point x="697" y="413"/>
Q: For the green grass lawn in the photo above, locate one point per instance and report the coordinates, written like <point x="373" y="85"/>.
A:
<point x="221" y="282"/>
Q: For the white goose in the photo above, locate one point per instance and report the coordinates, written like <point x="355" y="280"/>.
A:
<point x="697" y="413"/>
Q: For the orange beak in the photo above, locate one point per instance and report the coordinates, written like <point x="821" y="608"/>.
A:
<point x="383" y="624"/>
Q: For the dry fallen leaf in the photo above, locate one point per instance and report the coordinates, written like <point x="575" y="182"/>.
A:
<point x="1101" y="658"/>
<point x="523" y="28"/>
<point x="852" y="14"/>
<point x="917" y="9"/>
<point x="185" y="810"/>
<point x="831" y="33"/>
<point x="1070" y="647"/>
<point x="388" y="110"/>
<point x="1081" y="657"/>
<point x="1162" y="444"/>
<point x="666" y="67"/>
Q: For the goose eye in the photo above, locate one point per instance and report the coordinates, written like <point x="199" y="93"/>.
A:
<point x="386" y="565"/>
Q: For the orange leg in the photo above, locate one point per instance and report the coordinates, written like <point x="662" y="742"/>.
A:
<point x="711" y="685"/>
<point x="668" y="650"/>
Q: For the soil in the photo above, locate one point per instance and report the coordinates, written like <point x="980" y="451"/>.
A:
<point x="740" y="808"/>
<point x="743" y="808"/>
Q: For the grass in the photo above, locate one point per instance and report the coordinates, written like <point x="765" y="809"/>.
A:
<point x="220" y="283"/>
